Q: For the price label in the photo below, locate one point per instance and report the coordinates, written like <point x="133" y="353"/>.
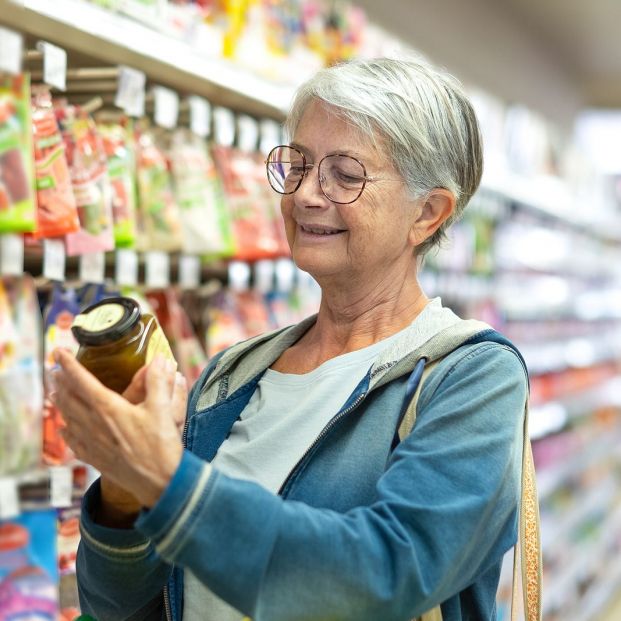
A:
<point x="11" y="51"/>
<point x="224" y="126"/>
<point x="247" y="133"/>
<point x="166" y="107"/>
<point x="264" y="276"/>
<point x="271" y="135"/>
<point x="53" y="259"/>
<point x="93" y="267"/>
<point x="157" y="267"/>
<point x="189" y="271"/>
<point x="238" y="276"/>
<point x="11" y="255"/>
<point x="126" y="267"/>
<point x="54" y="65"/>
<point x="200" y="116"/>
<point x="285" y="275"/>
<point x="61" y="486"/>
<point x="9" y="498"/>
<point x="130" y="91"/>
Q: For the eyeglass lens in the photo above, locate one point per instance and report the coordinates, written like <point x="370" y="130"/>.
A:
<point x="341" y="177"/>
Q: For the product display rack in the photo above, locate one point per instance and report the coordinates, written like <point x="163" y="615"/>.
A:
<point x="575" y="435"/>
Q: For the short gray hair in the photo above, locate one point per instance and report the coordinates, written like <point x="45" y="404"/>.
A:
<point x="423" y="114"/>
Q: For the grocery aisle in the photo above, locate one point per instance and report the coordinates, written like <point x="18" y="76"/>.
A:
<point x="124" y="172"/>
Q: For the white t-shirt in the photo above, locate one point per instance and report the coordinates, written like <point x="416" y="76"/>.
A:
<point x="284" y="416"/>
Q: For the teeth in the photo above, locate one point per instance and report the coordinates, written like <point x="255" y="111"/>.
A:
<point x="318" y="231"/>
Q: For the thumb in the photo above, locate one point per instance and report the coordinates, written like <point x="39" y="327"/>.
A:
<point x="159" y="382"/>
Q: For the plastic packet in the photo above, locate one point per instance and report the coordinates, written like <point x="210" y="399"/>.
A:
<point x="89" y="177"/>
<point x="159" y="220"/>
<point x="17" y="200"/>
<point x="57" y="212"/>
<point x="251" y="203"/>
<point x="121" y="171"/>
<point x="205" y="221"/>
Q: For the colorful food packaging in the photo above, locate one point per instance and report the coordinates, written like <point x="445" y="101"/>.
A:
<point x="121" y="167"/>
<point x="159" y="219"/>
<point x="17" y="200"/>
<point x="57" y="212"/>
<point x="205" y="221"/>
<point x="89" y="177"/>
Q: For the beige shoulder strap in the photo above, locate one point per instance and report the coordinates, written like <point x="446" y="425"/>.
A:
<point x="527" y="551"/>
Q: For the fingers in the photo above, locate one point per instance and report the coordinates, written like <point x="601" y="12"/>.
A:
<point x="75" y="377"/>
<point x="160" y="378"/>
<point x="136" y="392"/>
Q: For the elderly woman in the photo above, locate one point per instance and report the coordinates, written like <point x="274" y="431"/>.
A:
<point x="289" y="495"/>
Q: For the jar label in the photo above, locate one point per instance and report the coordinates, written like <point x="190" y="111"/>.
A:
<point x="100" y="318"/>
<point x="158" y="345"/>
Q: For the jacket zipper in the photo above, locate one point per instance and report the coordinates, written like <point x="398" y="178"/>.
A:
<point x="320" y="437"/>
<point x="167" y="605"/>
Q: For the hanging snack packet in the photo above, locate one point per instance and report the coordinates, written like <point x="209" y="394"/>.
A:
<point x="121" y="166"/>
<point x="59" y="316"/>
<point x="160" y="223"/>
<point x="205" y="222"/>
<point x="57" y="213"/>
<point x="91" y="185"/>
<point x="21" y="385"/>
<point x="17" y="201"/>
<point x="251" y="207"/>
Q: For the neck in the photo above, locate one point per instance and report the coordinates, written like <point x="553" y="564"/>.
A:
<point x="365" y="310"/>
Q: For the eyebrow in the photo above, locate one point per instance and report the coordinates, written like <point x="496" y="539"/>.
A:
<point x="335" y="152"/>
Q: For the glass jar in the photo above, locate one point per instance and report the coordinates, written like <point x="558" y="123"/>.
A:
<point x="116" y="339"/>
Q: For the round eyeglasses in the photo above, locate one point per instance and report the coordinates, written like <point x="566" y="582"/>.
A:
<point x="342" y="178"/>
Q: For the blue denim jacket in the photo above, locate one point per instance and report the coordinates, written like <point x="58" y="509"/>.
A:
<point x="360" y="530"/>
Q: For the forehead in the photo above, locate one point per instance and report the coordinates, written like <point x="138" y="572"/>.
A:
<point x="322" y="129"/>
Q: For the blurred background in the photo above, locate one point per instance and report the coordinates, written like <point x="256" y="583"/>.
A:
<point x="132" y="140"/>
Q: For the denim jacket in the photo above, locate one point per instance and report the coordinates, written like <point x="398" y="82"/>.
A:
<point x="360" y="530"/>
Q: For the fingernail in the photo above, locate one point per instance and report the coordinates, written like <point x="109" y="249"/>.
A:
<point x="180" y="379"/>
<point x="159" y="362"/>
<point x="170" y="365"/>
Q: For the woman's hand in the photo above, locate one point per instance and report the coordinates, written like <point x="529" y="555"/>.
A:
<point x="136" y="446"/>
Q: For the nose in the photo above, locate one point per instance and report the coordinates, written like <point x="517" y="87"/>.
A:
<point x="310" y="194"/>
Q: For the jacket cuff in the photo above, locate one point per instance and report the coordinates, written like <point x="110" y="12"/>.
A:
<point x="108" y="541"/>
<point x="174" y="506"/>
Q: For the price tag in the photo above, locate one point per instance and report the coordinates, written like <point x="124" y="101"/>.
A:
<point x="264" y="276"/>
<point x="126" y="267"/>
<point x="11" y="51"/>
<point x="285" y="274"/>
<point x="166" y="107"/>
<point x="93" y="267"/>
<point x="200" y="116"/>
<point x="271" y="135"/>
<point x="54" y="65"/>
<point x="9" y="498"/>
<point x="189" y="271"/>
<point x="53" y="259"/>
<point x="224" y="126"/>
<point x="11" y="255"/>
<point x="130" y="91"/>
<point x="157" y="266"/>
<point x="247" y="133"/>
<point x="238" y="276"/>
<point x="61" y="486"/>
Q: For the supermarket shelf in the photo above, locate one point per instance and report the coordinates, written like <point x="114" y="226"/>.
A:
<point x="550" y="479"/>
<point x="595" y="501"/>
<point x="116" y="39"/>
<point x="582" y="563"/>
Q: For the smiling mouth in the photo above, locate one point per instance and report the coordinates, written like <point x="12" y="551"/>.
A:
<point x="320" y="230"/>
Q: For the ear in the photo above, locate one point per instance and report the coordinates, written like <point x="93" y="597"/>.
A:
<point x="436" y="208"/>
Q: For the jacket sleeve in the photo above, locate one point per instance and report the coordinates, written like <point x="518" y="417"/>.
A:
<point x="121" y="576"/>
<point x="446" y="511"/>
